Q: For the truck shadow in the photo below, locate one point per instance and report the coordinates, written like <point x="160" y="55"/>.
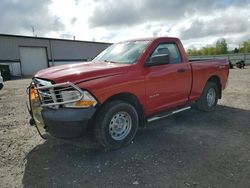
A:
<point x="189" y="147"/>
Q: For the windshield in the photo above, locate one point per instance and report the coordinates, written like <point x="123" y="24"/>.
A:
<point x="124" y="52"/>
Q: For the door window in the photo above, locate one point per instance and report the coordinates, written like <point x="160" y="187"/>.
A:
<point x="170" y="49"/>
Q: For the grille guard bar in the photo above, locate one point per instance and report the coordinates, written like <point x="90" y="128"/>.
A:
<point x="53" y="93"/>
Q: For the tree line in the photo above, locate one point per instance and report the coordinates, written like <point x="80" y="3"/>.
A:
<point x="220" y="47"/>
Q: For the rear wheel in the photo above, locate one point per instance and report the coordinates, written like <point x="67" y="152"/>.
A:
<point x="116" y="124"/>
<point x="1" y="86"/>
<point x="209" y="97"/>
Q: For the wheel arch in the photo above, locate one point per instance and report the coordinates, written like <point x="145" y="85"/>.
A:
<point x="131" y="99"/>
<point x="217" y="81"/>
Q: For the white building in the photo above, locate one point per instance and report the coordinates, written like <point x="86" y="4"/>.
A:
<point x="26" y="55"/>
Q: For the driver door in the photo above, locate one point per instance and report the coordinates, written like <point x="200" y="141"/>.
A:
<point x="167" y="85"/>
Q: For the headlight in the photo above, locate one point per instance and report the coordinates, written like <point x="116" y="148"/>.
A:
<point x="86" y="101"/>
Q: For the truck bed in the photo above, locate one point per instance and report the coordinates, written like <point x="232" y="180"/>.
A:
<point x="202" y="69"/>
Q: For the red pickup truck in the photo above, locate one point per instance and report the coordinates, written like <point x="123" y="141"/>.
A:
<point x="124" y="87"/>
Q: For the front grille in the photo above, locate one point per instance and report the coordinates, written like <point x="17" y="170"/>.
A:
<point x="50" y="94"/>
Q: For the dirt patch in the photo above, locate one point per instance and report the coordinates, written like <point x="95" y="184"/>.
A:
<point x="190" y="149"/>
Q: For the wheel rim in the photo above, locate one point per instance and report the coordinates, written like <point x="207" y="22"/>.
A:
<point x="211" y="97"/>
<point x="120" y="125"/>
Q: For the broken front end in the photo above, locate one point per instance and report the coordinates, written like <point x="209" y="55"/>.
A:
<point x="61" y="110"/>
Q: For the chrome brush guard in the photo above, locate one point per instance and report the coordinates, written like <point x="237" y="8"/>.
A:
<point x="49" y="95"/>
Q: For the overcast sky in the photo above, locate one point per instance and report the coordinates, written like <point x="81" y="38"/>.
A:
<point x="197" y="23"/>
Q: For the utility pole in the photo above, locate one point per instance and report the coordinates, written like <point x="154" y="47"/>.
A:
<point x="33" y="31"/>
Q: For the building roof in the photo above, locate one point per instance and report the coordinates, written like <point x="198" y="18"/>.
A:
<point x="46" y="38"/>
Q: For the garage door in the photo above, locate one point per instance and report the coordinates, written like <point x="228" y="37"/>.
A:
<point x="32" y="59"/>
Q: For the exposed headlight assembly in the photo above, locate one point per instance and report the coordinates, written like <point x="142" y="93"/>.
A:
<point x="65" y="94"/>
<point x="86" y="100"/>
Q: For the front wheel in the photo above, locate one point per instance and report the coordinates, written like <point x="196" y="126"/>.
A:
<point x="1" y="86"/>
<point x="116" y="124"/>
<point x="209" y="97"/>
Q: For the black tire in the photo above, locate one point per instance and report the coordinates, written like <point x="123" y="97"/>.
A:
<point x="205" y="103"/>
<point x="1" y="86"/>
<point x="103" y="124"/>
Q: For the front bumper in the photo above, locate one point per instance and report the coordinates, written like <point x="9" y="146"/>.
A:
<point x="66" y="123"/>
<point x="62" y="123"/>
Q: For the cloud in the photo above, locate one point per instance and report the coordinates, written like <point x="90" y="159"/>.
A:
<point x="218" y="26"/>
<point x="232" y="23"/>
<point x="73" y="20"/>
<point x="112" y="13"/>
<point x="196" y="22"/>
<point x="18" y="17"/>
<point x="77" y="2"/>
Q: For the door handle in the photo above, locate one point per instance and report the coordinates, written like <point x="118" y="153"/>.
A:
<point x="181" y="70"/>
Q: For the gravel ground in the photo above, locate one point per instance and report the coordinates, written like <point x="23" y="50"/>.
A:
<point x="190" y="149"/>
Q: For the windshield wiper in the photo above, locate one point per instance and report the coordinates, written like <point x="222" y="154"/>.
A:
<point x="110" y="61"/>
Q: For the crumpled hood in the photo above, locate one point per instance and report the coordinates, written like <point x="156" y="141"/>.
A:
<point x="81" y="72"/>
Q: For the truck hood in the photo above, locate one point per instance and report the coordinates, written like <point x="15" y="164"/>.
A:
<point x="81" y="72"/>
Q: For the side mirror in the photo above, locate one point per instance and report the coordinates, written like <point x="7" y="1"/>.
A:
<point x="160" y="59"/>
